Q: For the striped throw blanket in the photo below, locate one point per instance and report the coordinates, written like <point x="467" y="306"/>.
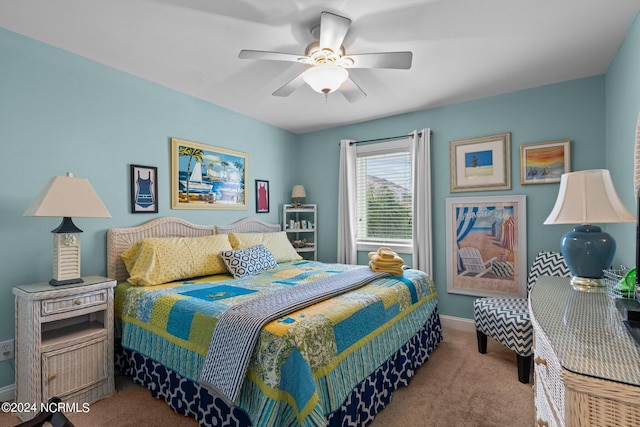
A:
<point x="237" y="329"/>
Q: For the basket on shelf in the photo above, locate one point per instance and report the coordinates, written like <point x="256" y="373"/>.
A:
<point x="614" y="280"/>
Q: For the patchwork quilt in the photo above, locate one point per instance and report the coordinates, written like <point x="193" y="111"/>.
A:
<point x="306" y="362"/>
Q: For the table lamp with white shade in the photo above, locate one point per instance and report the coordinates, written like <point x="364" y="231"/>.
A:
<point x="298" y="192"/>
<point x="66" y="197"/>
<point x="586" y="198"/>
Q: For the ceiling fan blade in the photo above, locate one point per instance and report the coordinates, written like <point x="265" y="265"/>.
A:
<point x="291" y="86"/>
<point x="333" y="29"/>
<point x="397" y="60"/>
<point x="351" y="91"/>
<point x="271" y="56"/>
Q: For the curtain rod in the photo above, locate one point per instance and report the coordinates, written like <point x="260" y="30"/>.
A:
<point x="388" y="138"/>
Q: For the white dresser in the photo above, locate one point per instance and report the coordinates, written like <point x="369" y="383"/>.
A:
<point x="586" y="365"/>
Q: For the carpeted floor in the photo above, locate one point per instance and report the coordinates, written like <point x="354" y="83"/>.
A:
<point x="457" y="387"/>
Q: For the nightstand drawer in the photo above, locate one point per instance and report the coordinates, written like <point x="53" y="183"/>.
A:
<point x="70" y="369"/>
<point x="73" y="302"/>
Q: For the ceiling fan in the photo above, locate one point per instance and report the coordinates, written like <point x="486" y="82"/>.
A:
<point x="328" y="63"/>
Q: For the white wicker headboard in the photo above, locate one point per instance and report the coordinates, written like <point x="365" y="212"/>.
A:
<point x="119" y="239"/>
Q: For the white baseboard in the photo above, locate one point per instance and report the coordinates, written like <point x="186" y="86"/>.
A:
<point x="8" y="393"/>
<point x="459" y="323"/>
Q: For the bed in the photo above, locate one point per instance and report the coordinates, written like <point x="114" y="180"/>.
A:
<point x="333" y="363"/>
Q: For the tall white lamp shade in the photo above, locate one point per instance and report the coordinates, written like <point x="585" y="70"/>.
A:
<point x="66" y="197"/>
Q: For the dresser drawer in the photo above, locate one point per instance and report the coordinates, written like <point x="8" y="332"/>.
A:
<point x="547" y="415"/>
<point x="548" y="370"/>
<point x="73" y="302"/>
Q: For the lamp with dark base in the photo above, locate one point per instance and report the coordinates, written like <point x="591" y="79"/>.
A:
<point x="585" y="198"/>
<point x="67" y="196"/>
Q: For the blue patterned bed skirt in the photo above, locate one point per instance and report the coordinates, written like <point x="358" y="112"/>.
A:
<point x="187" y="397"/>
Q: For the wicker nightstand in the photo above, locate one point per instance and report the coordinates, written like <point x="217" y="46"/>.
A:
<point x="64" y="342"/>
<point x="586" y="364"/>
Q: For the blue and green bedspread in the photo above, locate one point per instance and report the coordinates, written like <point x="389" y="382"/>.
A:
<point x="305" y="363"/>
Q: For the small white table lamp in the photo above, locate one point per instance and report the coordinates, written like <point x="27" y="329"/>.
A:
<point x="67" y="196"/>
<point x="298" y="193"/>
<point x="585" y="198"/>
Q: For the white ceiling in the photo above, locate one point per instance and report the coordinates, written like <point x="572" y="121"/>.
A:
<point x="462" y="49"/>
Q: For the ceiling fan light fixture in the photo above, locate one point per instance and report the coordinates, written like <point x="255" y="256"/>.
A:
<point x="325" y="78"/>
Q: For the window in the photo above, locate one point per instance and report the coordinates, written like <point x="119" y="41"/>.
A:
<point x="384" y="196"/>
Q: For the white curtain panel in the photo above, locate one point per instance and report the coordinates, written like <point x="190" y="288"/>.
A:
<point x="421" y="176"/>
<point x="347" y="249"/>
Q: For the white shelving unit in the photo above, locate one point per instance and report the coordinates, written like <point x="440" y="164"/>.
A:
<point x="301" y="224"/>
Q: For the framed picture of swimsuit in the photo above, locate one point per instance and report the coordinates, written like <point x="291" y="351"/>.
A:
<point x="144" y="189"/>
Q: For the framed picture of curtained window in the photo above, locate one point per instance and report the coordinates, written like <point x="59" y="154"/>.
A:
<point x="207" y="177"/>
<point x="144" y="189"/>
<point x="481" y="163"/>
<point x="486" y="246"/>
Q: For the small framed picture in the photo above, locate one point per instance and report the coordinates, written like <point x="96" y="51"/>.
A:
<point x="144" y="189"/>
<point x="544" y="162"/>
<point x="480" y="164"/>
<point x="262" y="196"/>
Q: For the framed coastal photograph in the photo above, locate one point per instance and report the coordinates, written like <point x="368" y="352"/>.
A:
<point x="481" y="163"/>
<point x="544" y="162"/>
<point x="207" y="177"/>
<point x="144" y="189"/>
<point x="262" y="196"/>
<point x="486" y="246"/>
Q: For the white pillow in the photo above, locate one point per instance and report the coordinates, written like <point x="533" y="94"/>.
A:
<point x="278" y="244"/>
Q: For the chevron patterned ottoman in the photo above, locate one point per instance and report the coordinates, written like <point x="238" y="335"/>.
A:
<point x="507" y="320"/>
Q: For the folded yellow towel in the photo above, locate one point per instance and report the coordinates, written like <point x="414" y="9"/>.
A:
<point x="385" y="252"/>
<point x="392" y="262"/>
<point x="384" y="260"/>
<point x="393" y="271"/>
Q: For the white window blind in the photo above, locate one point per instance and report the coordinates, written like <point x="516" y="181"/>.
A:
<point x="384" y="194"/>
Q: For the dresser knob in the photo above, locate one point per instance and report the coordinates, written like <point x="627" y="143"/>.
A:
<point x="542" y="423"/>
<point x="52" y="377"/>
<point x="540" y="361"/>
<point x="77" y="302"/>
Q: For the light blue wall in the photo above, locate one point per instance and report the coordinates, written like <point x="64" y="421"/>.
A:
<point x="622" y="109"/>
<point x="60" y="112"/>
<point x="572" y="110"/>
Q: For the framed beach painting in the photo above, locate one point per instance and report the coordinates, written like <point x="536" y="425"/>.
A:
<point x="262" y="196"/>
<point x="481" y="163"/>
<point x="544" y="162"/>
<point x="144" y="189"/>
<point x="486" y="246"/>
<point x="207" y="177"/>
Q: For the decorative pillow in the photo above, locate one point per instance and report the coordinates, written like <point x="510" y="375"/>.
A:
<point x="158" y="260"/>
<point x="278" y="243"/>
<point x="250" y="261"/>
